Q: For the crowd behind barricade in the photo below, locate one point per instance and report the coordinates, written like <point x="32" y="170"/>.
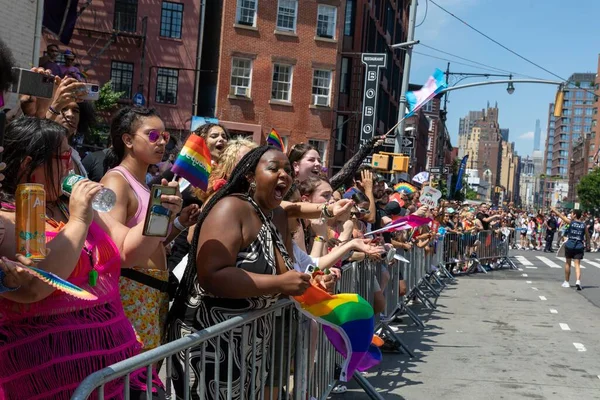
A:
<point x="265" y="221"/>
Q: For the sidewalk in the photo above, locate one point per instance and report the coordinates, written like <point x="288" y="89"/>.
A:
<point x="492" y="337"/>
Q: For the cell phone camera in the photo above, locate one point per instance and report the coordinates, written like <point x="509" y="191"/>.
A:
<point x="94" y="89"/>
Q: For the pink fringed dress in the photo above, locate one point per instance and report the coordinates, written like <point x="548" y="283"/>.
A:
<point x="47" y="348"/>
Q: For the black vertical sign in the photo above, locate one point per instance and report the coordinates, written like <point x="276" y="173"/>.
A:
<point x="373" y="62"/>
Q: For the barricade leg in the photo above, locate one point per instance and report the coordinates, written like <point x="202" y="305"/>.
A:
<point x="367" y="387"/>
<point x="441" y="284"/>
<point x="421" y="296"/>
<point x="395" y="337"/>
<point x="413" y="316"/>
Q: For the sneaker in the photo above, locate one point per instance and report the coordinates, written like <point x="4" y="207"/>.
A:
<point x="565" y="284"/>
<point x="578" y="285"/>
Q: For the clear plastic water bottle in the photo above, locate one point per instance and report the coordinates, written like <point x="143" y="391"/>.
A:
<point x="103" y="201"/>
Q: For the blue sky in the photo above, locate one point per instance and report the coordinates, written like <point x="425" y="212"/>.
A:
<point x="560" y="36"/>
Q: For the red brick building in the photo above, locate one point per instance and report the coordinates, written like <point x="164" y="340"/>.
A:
<point x="277" y="66"/>
<point x="142" y="47"/>
<point x="580" y="164"/>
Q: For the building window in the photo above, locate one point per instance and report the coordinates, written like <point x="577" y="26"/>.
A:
<point x="281" y="88"/>
<point x="578" y="111"/>
<point x="121" y="78"/>
<point x="326" y="21"/>
<point x="321" y="88"/>
<point x="321" y="146"/>
<point x="171" y="20"/>
<point x="241" y="72"/>
<point x="287" y="11"/>
<point x="589" y="111"/>
<point x="246" y="12"/>
<point x="428" y="107"/>
<point x="345" y="75"/>
<point x="125" y="17"/>
<point x="341" y="122"/>
<point x="349" y="18"/>
<point x="167" y="81"/>
<point x="566" y="112"/>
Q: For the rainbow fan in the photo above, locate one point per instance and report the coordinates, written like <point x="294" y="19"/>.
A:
<point x="404" y="187"/>
<point x="275" y="140"/>
<point x="55" y="281"/>
<point x="194" y="162"/>
<point x="348" y="322"/>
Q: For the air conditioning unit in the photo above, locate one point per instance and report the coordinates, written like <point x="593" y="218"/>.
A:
<point x="321" y="100"/>
<point x="241" y="91"/>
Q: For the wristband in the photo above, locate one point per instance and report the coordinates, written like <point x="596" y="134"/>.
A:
<point x="53" y="110"/>
<point x="178" y="224"/>
<point x="319" y="239"/>
<point x="3" y="288"/>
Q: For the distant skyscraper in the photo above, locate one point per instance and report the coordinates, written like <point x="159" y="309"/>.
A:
<point x="537" y="135"/>
<point x="504" y="134"/>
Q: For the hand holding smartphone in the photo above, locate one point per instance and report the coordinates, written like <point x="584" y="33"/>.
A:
<point x="158" y="218"/>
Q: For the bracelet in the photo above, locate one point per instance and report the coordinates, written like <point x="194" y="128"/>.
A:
<point x="53" y="110"/>
<point x="319" y="239"/>
<point x="178" y="224"/>
<point x="325" y="214"/>
<point x="3" y="288"/>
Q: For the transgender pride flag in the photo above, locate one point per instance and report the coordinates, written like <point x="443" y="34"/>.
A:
<point x="435" y="84"/>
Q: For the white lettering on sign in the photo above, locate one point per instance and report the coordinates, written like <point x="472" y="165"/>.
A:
<point x="370" y="93"/>
<point x="377" y="59"/>
<point x="372" y="75"/>
<point x="369" y="111"/>
<point x="38" y="203"/>
<point x="430" y="197"/>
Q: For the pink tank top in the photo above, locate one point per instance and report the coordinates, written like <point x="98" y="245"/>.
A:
<point x="142" y="193"/>
<point x="47" y="348"/>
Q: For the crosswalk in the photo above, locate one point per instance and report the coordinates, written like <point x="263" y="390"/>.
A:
<point x="553" y="261"/>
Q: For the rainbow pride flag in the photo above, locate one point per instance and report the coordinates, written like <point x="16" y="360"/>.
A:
<point x="348" y="322"/>
<point x="275" y="140"/>
<point x="404" y="187"/>
<point x="193" y="162"/>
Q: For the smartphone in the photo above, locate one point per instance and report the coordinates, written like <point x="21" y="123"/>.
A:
<point x="158" y="218"/>
<point x="92" y="92"/>
<point x="32" y="84"/>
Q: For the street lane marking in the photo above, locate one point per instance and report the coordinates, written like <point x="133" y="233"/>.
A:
<point x="564" y="327"/>
<point x="523" y="260"/>
<point x="525" y="275"/>
<point x="579" y="347"/>
<point x="527" y="281"/>
<point x="595" y="264"/>
<point x="565" y="260"/>
<point x="534" y="288"/>
<point x="531" y="267"/>
<point x="553" y="311"/>
<point x="543" y="298"/>
<point x="549" y="263"/>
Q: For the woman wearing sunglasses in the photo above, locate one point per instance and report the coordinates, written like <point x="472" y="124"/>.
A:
<point x="139" y="139"/>
<point x="49" y="340"/>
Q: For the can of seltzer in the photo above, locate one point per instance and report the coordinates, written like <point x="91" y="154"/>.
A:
<point x="30" y="226"/>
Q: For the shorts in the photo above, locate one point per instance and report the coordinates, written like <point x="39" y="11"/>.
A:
<point x="575" y="254"/>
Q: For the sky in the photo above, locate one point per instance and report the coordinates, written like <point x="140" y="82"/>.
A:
<point x="560" y="36"/>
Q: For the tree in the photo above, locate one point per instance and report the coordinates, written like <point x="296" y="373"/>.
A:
<point x="588" y="190"/>
<point x="108" y="98"/>
<point x="471" y="194"/>
<point x="107" y="101"/>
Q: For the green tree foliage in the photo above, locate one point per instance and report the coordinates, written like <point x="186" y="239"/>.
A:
<point x="588" y="190"/>
<point x="471" y="194"/>
<point x="108" y="98"/>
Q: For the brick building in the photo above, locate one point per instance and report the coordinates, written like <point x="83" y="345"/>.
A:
<point x="142" y="47"/>
<point x="368" y="27"/>
<point x="276" y="68"/>
<point x="581" y="164"/>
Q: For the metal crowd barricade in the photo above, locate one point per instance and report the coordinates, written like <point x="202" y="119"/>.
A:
<point x="473" y="248"/>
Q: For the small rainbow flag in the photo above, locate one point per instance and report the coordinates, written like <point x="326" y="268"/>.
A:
<point x="275" y="140"/>
<point x="404" y="187"/>
<point x="55" y="281"/>
<point x="348" y="322"/>
<point x="193" y="162"/>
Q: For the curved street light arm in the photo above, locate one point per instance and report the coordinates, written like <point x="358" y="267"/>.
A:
<point x="503" y="81"/>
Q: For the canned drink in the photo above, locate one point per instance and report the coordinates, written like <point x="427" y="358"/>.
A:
<point x="30" y="226"/>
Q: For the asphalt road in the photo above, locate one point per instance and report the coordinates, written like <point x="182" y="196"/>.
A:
<point x="508" y="334"/>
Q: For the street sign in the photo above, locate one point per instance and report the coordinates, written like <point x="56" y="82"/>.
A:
<point x="373" y="62"/>
<point x="435" y="170"/>
<point x="407" y="142"/>
<point x="368" y="160"/>
<point x="389" y="141"/>
<point x="138" y="99"/>
<point x="446" y="170"/>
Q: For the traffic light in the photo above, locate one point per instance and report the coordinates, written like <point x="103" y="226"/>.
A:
<point x="381" y="162"/>
<point x="400" y="163"/>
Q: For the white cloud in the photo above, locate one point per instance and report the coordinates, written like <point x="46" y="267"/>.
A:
<point x="527" y="135"/>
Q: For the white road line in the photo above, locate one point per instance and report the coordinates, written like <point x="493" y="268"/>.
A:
<point x="527" y="281"/>
<point x="553" y="311"/>
<point x="564" y="327"/>
<point x="549" y="263"/>
<point x="531" y="267"/>
<point x="520" y="269"/>
<point x="565" y="260"/>
<point x="534" y="288"/>
<point x="595" y="264"/>
<point x="543" y="298"/>
<point x="523" y="260"/>
<point x="525" y="275"/>
<point x="579" y="347"/>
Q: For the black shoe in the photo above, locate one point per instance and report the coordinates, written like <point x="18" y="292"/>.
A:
<point x="579" y="287"/>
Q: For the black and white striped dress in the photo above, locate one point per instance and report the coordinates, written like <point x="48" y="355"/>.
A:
<point x="203" y="310"/>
